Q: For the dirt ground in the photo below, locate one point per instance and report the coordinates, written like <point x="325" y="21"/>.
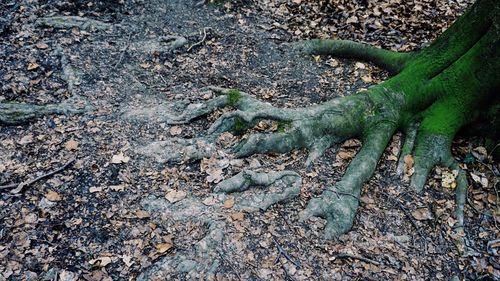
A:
<point x="117" y="213"/>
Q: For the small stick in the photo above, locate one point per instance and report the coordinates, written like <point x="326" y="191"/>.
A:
<point x="123" y="51"/>
<point x="20" y="186"/>
<point x="361" y="258"/>
<point x="200" y="42"/>
<point x="282" y="252"/>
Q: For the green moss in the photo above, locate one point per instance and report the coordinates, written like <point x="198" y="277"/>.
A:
<point x="233" y="97"/>
<point x="284" y="125"/>
<point x="240" y="126"/>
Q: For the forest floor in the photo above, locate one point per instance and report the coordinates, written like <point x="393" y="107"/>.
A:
<point x="118" y="214"/>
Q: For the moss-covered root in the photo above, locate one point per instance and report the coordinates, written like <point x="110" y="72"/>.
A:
<point x="338" y="205"/>
<point x="282" y="186"/>
<point x="394" y="62"/>
<point x="73" y="21"/>
<point x="12" y="113"/>
<point x="183" y="113"/>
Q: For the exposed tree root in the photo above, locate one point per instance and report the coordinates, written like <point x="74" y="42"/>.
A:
<point x="285" y="186"/>
<point x="73" y="21"/>
<point x="164" y="44"/>
<point x="177" y="150"/>
<point x="393" y="62"/>
<point x="12" y="113"/>
<point x="434" y="93"/>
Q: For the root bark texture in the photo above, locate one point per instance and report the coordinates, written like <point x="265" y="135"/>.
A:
<point x="433" y="94"/>
<point x="73" y="21"/>
<point x="282" y="186"/>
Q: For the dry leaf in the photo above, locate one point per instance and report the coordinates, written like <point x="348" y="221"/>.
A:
<point x="127" y="260"/>
<point x="100" y="262"/>
<point x="145" y="65"/>
<point x="53" y="196"/>
<point x="94" y="189"/>
<point x="140" y="214"/>
<point x="210" y="201"/>
<point x="229" y="203"/>
<point x="448" y="179"/>
<point x="175" y="196"/>
<point x="422" y="214"/>
<point x="120" y="187"/>
<point x="33" y="66"/>
<point x="26" y="139"/>
<point x="175" y="130"/>
<point x="163" y="247"/>
<point x="120" y="158"/>
<point x="237" y="216"/>
<point x="71" y="145"/>
<point x="42" y="45"/>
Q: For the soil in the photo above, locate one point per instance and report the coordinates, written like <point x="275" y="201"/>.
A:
<point x="117" y="214"/>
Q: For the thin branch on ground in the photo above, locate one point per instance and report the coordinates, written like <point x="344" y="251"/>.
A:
<point x="356" y="257"/>
<point x="201" y="41"/>
<point x="18" y="187"/>
<point x="284" y="253"/>
<point x="122" y="52"/>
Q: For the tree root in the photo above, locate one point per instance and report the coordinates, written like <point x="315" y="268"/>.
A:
<point x="177" y="150"/>
<point x="391" y="61"/>
<point x="12" y="113"/>
<point x="286" y="185"/>
<point x="161" y="45"/>
<point x="64" y="22"/>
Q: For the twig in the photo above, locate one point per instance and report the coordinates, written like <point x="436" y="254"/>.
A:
<point x="199" y="42"/>
<point x="230" y="265"/>
<point x="123" y="51"/>
<point x="19" y="187"/>
<point x="361" y="258"/>
<point x="284" y="253"/>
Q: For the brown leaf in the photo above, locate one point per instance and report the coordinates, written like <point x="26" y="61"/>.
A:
<point x="422" y="214"/>
<point x="175" y="130"/>
<point x="53" y="196"/>
<point x="229" y="203"/>
<point x="175" y="196"/>
<point x="163" y="247"/>
<point x="42" y="45"/>
<point x="33" y="66"/>
<point x="71" y="145"/>
<point x="237" y="216"/>
<point x="140" y="214"/>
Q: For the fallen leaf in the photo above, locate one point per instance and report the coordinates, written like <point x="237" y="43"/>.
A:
<point x="120" y="158"/>
<point x="120" y="187"/>
<point x="422" y="214"/>
<point x="42" y="45"/>
<point x="448" y="179"/>
<point x="100" y="262"/>
<point x="53" y="196"/>
<point x="140" y="214"/>
<point x="71" y="145"/>
<point x="175" y="130"/>
<point x="145" y="65"/>
<point x="163" y="247"/>
<point x="33" y="66"/>
<point x="94" y="189"/>
<point x="229" y="203"/>
<point x="237" y="216"/>
<point x="127" y="260"/>
<point x="210" y="201"/>
<point x="175" y="196"/>
<point x="26" y="139"/>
